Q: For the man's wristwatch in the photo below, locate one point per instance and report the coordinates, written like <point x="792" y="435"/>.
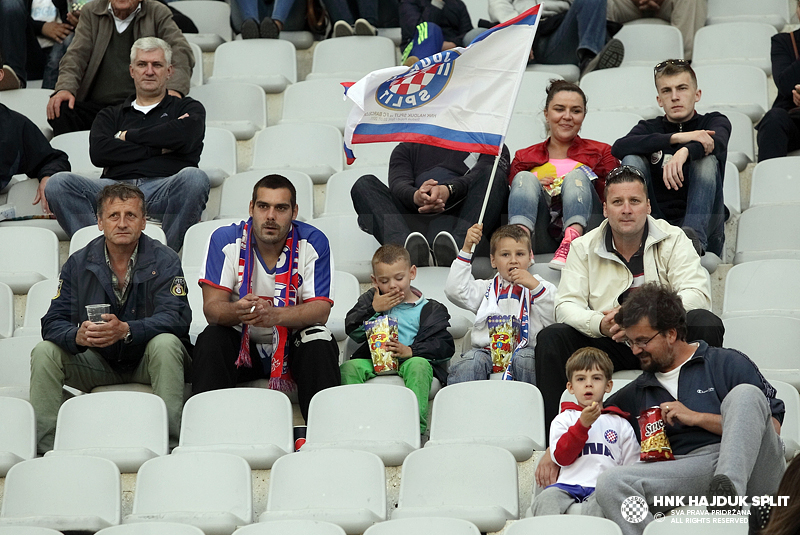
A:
<point x="116" y="136"/>
<point x="128" y="337"/>
<point x="451" y="189"/>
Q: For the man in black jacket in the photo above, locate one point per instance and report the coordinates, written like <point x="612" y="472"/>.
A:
<point x="682" y="156"/>
<point x="152" y="140"/>
<point x="144" y="337"/>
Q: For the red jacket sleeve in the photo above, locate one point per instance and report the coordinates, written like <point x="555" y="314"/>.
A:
<point x="570" y="445"/>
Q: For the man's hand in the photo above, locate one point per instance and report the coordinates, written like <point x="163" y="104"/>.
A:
<point x="649" y="5"/>
<point x="397" y="349"/>
<point x="474" y="234"/>
<point x="447" y="45"/>
<point x="524" y="278"/>
<point x="56" y="31"/>
<point x="428" y="198"/>
<point x="609" y="327"/>
<point x="40" y="195"/>
<point x="387" y="301"/>
<point x="174" y="94"/>
<point x="72" y="18"/>
<point x="590" y="414"/>
<point x="701" y="136"/>
<point x="54" y="104"/>
<point x="257" y="312"/>
<point x="673" y="169"/>
<point x="673" y="412"/>
<point x="101" y="334"/>
<point x="547" y="470"/>
<point x="796" y="95"/>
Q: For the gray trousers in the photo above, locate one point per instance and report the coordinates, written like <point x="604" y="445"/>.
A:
<point x="750" y="454"/>
<point x="555" y="501"/>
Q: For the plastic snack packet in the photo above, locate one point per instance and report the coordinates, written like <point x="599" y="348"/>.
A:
<point x="504" y="338"/>
<point x="379" y="331"/>
<point x="655" y="443"/>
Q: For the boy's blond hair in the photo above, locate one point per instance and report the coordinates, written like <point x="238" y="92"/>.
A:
<point x="389" y="254"/>
<point x="589" y="358"/>
<point x="509" y="231"/>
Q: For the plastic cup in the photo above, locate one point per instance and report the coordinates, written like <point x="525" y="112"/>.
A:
<point x="95" y="312"/>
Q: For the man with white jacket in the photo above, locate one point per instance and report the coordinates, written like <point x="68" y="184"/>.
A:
<point x="603" y="267"/>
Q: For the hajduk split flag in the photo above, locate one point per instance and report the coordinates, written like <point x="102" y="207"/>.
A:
<point x="460" y="99"/>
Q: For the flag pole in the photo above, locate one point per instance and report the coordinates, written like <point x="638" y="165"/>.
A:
<point x="488" y="190"/>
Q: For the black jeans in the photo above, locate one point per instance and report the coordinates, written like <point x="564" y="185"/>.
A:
<point x="79" y="118"/>
<point x="778" y="134"/>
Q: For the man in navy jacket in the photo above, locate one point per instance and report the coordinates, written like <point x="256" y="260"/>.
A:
<point x="144" y="338"/>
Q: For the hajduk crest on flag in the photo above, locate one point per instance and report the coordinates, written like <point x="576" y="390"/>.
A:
<point x="460" y="99"/>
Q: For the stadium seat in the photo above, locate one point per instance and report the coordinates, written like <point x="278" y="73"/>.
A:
<point x="21" y="195"/>
<point x="218" y="158"/>
<point x="648" y="44"/>
<point x="757" y="239"/>
<point x="763" y="287"/>
<point x="352" y="248"/>
<point x="6" y="311"/>
<point x="290" y="527"/>
<point x="533" y="92"/>
<point x="563" y="524"/>
<point x="354" y="417"/>
<point x="434" y="482"/>
<point x="30" y="255"/>
<point x="740" y="145"/>
<point x="346" y="291"/>
<point x="268" y="63"/>
<point x="32" y="103"/>
<point x="302" y="40"/>
<point x="748" y="95"/>
<point x="790" y="429"/>
<point x="27" y="530"/>
<point x="344" y="487"/>
<point x="337" y="190"/>
<point x="84" y="236"/>
<point x="15" y="365"/>
<point x="151" y="528"/>
<point x="212" y="20"/>
<point x="18" y="439"/>
<point x="774" y="12"/>
<point x="238" y="107"/>
<point x="524" y="131"/>
<point x="197" y="70"/>
<point x="212" y="491"/>
<point x="394" y="380"/>
<point x="237" y="192"/>
<point x="127" y="428"/>
<point x="567" y="71"/>
<point x="477" y="10"/>
<point x="733" y="43"/>
<point x="195" y="242"/>
<point x="609" y="126"/>
<point x="467" y="413"/>
<point x="76" y="145"/>
<point x="372" y="154"/>
<point x="604" y="91"/>
<point x="776" y="181"/>
<point x="330" y="106"/>
<point x="423" y="526"/>
<point x="285" y="146"/>
<point x="195" y="295"/>
<point x="431" y="281"/>
<point x="348" y="59"/>
<point x="70" y="493"/>
<point x="215" y="421"/>
<point x="731" y="189"/>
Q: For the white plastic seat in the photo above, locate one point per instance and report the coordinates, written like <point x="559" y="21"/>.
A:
<point x="83" y="236"/>
<point x="70" y="493"/>
<point x="285" y="146"/>
<point x="756" y="238"/>
<point x="32" y="103"/>
<point x="567" y="71"/>
<point x="197" y="70"/>
<point x="646" y="45"/>
<point x="609" y="126"/>
<point x="372" y="154"/>
<point x="431" y="281"/>
<point x="291" y="527"/>
<point x="741" y="149"/>
<point x="523" y="131"/>
<point x="349" y="417"/>
<point x="214" y="421"/>
<point x="237" y="192"/>
<point x="733" y="43"/>
<point x="351" y="247"/>
<point x="564" y="524"/>
<point x="21" y="195"/>
<point x="218" y="158"/>
<point x="346" y="291"/>
<point x="764" y="287"/>
<point x="302" y="40"/>
<point x="6" y="311"/>
<point x="337" y="190"/>
<point x="238" y="107"/>
<point x="151" y="528"/>
<point x="396" y="380"/>
<point x="603" y="91"/>
<point x="329" y="105"/>
<point x="435" y="483"/>
<point x="15" y="365"/>
<point x="477" y="10"/>
<point x="76" y="145"/>
<point x="344" y="487"/>
<point x="195" y="242"/>
<point x="790" y="429"/>
<point x="466" y="413"/>
<point x="424" y="526"/>
<point x="127" y="428"/>
<point x="533" y="91"/>
<point x="39" y="249"/>
<point x="195" y="295"/>
<point x="268" y="63"/>
<point x="731" y="189"/>
<point x="27" y="530"/>
<point x="776" y="181"/>
<point x="774" y="12"/>
<point x="348" y="59"/>
<point x="212" y="491"/>
<point x="748" y="95"/>
<point x="212" y="20"/>
<point x="18" y="439"/>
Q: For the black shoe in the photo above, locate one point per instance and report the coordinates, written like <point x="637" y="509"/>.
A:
<point x="610" y="56"/>
<point x="250" y="29"/>
<point x="419" y="250"/>
<point x="722" y="487"/>
<point x="445" y="249"/>
<point x="268" y="29"/>
<point x="692" y="235"/>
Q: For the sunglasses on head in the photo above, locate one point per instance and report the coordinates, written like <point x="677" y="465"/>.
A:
<point x="675" y="62"/>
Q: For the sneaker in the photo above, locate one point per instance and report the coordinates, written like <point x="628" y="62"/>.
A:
<point x="250" y="29"/>
<point x="610" y="56"/>
<point x="363" y="27"/>
<point x="445" y="249"/>
<point x="560" y="258"/>
<point x="419" y="250"/>
<point x="268" y="29"/>
<point x="692" y="235"/>
<point x="722" y="487"/>
<point x="10" y="79"/>
<point x="342" y="29"/>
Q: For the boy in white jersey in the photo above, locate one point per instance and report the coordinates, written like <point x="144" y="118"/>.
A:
<point x="585" y="438"/>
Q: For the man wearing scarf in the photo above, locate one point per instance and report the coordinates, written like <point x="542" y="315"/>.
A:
<point x="266" y="286"/>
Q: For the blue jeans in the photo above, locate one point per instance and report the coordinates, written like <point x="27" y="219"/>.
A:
<point x="292" y="13"/>
<point x="54" y="55"/>
<point x="476" y="365"/>
<point x="705" y="206"/>
<point x="337" y="9"/>
<point x="527" y="205"/>
<point x="13" y="39"/>
<point x="583" y="28"/>
<point x="177" y="201"/>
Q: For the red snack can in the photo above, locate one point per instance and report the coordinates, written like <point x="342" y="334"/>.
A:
<point x="655" y="443"/>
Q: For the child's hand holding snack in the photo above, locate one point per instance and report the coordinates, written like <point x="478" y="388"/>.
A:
<point x="397" y="349"/>
<point x="383" y="302"/>
<point x="524" y="278"/>
<point x="474" y="235"/>
<point x="591" y="413"/>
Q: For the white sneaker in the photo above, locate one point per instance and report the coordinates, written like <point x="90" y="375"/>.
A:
<point x="445" y="249"/>
<point x="419" y="250"/>
<point x="365" y="28"/>
<point x="342" y="29"/>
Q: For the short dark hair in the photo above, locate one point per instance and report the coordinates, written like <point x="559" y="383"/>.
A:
<point x="671" y="67"/>
<point x="275" y="182"/>
<point x="589" y="358"/>
<point x="660" y="304"/>
<point x="556" y="86"/>
<point x="122" y="191"/>
<point x="514" y="232"/>
<point x="623" y="174"/>
<point x="389" y="254"/>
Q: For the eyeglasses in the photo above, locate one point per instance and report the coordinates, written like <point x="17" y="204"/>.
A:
<point x="639" y="343"/>
<point x="675" y="62"/>
<point x="622" y="169"/>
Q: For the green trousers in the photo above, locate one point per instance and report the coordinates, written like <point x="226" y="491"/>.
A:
<point x="416" y="373"/>
<point x="51" y="367"/>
